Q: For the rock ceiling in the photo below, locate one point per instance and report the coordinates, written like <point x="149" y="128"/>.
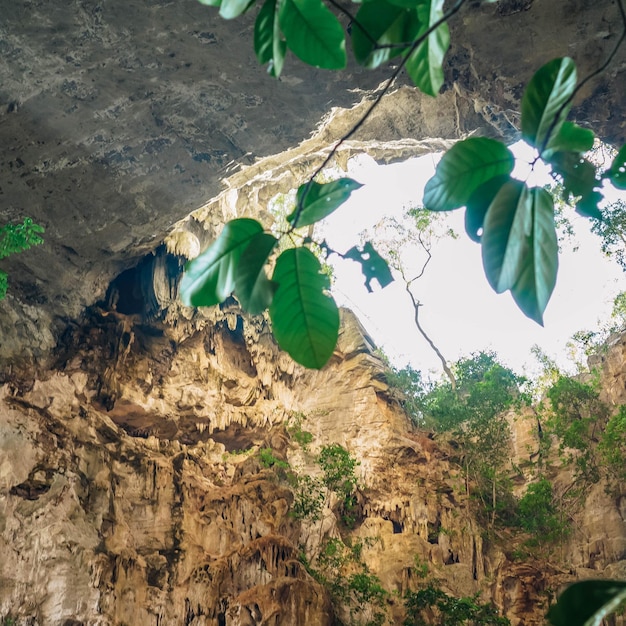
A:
<point x="119" y="118"/>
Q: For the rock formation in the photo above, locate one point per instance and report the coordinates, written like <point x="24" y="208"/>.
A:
<point x="132" y="489"/>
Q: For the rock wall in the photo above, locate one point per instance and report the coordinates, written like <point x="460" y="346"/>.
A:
<point x="119" y="118"/>
<point x="132" y="490"/>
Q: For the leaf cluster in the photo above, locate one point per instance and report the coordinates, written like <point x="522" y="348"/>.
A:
<point x="514" y="223"/>
<point x="351" y="584"/>
<point x="339" y="475"/>
<point x="15" y="238"/>
<point x="305" y="317"/>
<point x="432" y="602"/>
<point x="539" y="515"/>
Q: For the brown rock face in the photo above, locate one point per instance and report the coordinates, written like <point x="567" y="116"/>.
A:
<point x="133" y="489"/>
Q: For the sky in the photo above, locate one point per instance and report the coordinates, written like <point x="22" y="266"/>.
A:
<point x="459" y="309"/>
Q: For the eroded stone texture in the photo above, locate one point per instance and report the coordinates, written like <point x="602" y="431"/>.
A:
<point x="132" y="492"/>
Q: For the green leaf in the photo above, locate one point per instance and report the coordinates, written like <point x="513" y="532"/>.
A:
<point x="463" y="168"/>
<point x="230" y="9"/>
<point x="504" y="236"/>
<point x="587" y="206"/>
<point x="548" y="90"/>
<point x="373" y="266"/>
<point x="305" y="320"/>
<point x="321" y="200"/>
<point x="425" y="65"/>
<point x="539" y="266"/>
<point x="587" y="603"/>
<point x="385" y="23"/>
<point x="210" y="278"/>
<point x="4" y="284"/>
<point x="617" y="173"/>
<point x="578" y="174"/>
<point x="252" y="287"/>
<point x="478" y="204"/>
<point x="570" y="138"/>
<point x="519" y="246"/>
<point x="313" y="33"/>
<point x="210" y="3"/>
<point x="269" y="45"/>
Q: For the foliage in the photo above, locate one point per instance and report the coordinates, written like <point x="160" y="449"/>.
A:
<point x="585" y="343"/>
<point x="338" y="467"/>
<point x="432" y="602"/>
<point x="351" y="584"/>
<point x="308" y="498"/>
<point x="575" y="415"/>
<point x="612" y="447"/>
<point x="514" y="223"/>
<point x="15" y="238"/>
<point x="301" y="437"/>
<point x="474" y="413"/>
<point x="612" y="231"/>
<point x="268" y="460"/>
<point x="539" y="515"/>
<point x="409" y="382"/>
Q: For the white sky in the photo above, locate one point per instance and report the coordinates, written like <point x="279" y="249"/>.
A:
<point x="460" y="311"/>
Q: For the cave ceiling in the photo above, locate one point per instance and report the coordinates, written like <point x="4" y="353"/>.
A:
<point x="120" y="117"/>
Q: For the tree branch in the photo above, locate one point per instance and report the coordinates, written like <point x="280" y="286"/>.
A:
<point x="412" y="47"/>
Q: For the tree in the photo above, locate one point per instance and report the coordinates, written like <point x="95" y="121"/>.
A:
<point x="474" y="413"/>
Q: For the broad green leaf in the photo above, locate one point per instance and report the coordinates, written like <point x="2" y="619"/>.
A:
<point x="305" y="320"/>
<point x="385" y="24"/>
<point x="578" y="174"/>
<point x="478" y="204"/>
<point x="617" y="173"/>
<point x="373" y="266"/>
<point x="587" y="206"/>
<point x="548" y="90"/>
<point x="313" y="33"/>
<point x="519" y="246"/>
<point x="505" y="228"/>
<point x="587" y="603"/>
<point x="252" y="287"/>
<point x="570" y="138"/>
<point x="269" y="45"/>
<point x="321" y="200"/>
<point x="463" y="168"/>
<point x="229" y="9"/>
<point x="425" y="65"/>
<point x="210" y="3"/>
<point x="540" y="262"/>
<point x="210" y="278"/>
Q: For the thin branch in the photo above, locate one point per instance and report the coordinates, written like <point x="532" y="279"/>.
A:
<point x="429" y="256"/>
<point x="418" y="325"/>
<point x="587" y="78"/>
<point x="413" y="46"/>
